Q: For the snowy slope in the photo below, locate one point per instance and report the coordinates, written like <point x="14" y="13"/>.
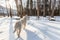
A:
<point x="41" y="29"/>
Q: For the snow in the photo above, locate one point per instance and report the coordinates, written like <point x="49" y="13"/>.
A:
<point x="41" y="29"/>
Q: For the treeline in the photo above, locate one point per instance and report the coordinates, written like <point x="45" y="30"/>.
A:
<point x="34" y="12"/>
<point x="43" y="8"/>
<point x="36" y="8"/>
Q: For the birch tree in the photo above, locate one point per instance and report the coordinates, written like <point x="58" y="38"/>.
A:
<point x="6" y="2"/>
<point x="53" y="8"/>
<point x="19" y="7"/>
<point x="10" y="12"/>
<point x="31" y="6"/>
<point x="3" y="12"/>
<point x="49" y="9"/>
<point x="27" y="6"/>
<point x="59" y="7"/>
<point x="38" y="8"/>
<point x="44" y="8"/>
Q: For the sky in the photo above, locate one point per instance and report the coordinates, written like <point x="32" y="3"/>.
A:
<point x="11" y="2"/>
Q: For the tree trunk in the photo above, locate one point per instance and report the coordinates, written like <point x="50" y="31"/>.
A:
<point x="34" y="5"/>
<point x="3" y="12"/>
<point x="27" y="6"/>
<point x="19" y="7"/>
<point x="10" y="12"/>
<point x="52" y="15"/>
<point x="31" y="5"/>
<point x="44" y="9"/>
<point x="59" y="7"/>
<point x="7" y="11"/>
<point x="53" y="6"/>
<point x="16" y="1"/>
<point x="7" y="7"/>
<point x="38" y="8"/>
<point x="50" y="8"/>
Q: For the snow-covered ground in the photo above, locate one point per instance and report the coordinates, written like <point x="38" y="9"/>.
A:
<point x="41" y="29"/>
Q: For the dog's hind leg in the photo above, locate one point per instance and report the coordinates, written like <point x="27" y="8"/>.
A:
<point x="18" y="33"/>
<point x="14" y="30"/>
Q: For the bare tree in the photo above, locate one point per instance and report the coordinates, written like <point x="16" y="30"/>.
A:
<point x="27" y="6"/>
<point x="49" y="9"/>
<point x="53" y="8"/>
<point x="38" y="8"/>
<point x="19" y="7"/>
<point x="3" y="12"/>
<point x="7" y="11"/>
<point x="44" y="8"/>
<point x="59" y="7"/>
<point x="31" y="6"/>
<point x="7" y="7"/>
<point x="16" y="1"/>
<point x="34" y="6"/>
<point x="10" y="12"/>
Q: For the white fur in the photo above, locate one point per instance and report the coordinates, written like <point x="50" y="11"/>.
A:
<point x="19" y="24"/>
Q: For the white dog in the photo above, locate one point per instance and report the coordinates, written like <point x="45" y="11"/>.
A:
<point x="19" y="24"/>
